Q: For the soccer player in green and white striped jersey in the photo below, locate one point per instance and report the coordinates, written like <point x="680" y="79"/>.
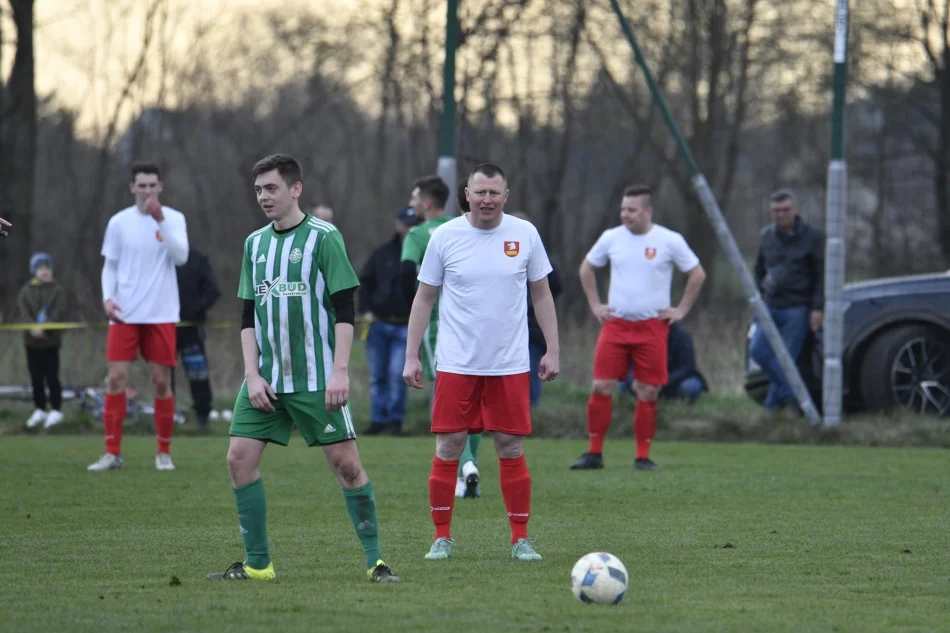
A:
<point x="296" y="334"/>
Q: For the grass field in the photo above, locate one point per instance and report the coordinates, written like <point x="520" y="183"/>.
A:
<point x="727" y="538"/>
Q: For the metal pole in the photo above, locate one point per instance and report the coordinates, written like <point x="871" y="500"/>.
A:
<point x="726" y="239"/>
<point x="446" y="167"/>
<point x="836" y="213"/>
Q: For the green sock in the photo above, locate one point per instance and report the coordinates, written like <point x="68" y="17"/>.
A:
<point x="252" y="518"/>
<point x="361" y="505"/>
<point x="470" y="454"/>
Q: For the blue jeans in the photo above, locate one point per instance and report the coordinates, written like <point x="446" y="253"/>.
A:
<point x="536" y="353"/>
<point x="689" y="390"/>
<point x="792" y="324"/>
<point x="386" y="352"/>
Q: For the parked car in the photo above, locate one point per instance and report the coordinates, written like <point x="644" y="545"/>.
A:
<point x="896" y="352"/>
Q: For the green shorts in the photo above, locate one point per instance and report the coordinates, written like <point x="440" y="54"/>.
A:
<point x="304" y="409"/>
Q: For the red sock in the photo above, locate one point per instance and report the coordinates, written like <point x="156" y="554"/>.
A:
<point x="644" y="426"/>
<point x="599" y="411"/>
<point x="164" y="422"/>
<point x="113" y="417"/>
<point x="516" y="489"/>
<point x="442" y="495"/>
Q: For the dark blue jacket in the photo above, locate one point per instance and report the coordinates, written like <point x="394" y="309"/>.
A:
<point x="790" y="267"/>
<point x="681" y="360"/>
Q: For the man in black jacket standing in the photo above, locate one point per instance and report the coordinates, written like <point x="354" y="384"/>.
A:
<point x="383" y="303"/>
<point x="789" y="271"/>
<point x="198" y="291"/>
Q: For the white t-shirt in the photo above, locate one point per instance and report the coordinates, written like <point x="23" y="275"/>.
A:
<point x="483" y="310"/>
<point x="146" y="253"/>
<point x="641" y="268"/>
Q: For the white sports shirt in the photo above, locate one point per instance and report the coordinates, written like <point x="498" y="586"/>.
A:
<point x="145" y="253"/>
<point x="641" y="268"/>
<point x="483" y="310"/>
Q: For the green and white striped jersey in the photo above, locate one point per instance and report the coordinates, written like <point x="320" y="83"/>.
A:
<point x="290" y="277"/>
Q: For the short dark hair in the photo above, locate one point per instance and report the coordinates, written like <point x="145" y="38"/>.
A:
<point x="287" y="166"/>
<point x="461" y="200"/>
<point x="639" y="191"/>
<point x="144" y="167"/>
<point x="489" y="170"/>
<point x="782" y="195"/>
<point x="433" y="188"/>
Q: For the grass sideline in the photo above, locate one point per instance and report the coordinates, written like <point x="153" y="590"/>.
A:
<point x="725" y="538"/>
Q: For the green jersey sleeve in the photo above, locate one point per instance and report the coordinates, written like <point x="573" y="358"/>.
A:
<point x="413" y="249"/>
<point x="246" y="285"/>
<point x="338" y="273"/>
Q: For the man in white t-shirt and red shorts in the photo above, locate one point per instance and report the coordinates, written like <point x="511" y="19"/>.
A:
<point x="143" y="244"/>
<point x="636" y="318"/>
<point x="483" y="261"/>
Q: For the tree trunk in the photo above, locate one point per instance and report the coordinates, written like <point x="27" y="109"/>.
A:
<point x="17" y="158"/>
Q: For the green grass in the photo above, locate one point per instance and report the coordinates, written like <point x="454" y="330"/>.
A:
<point x="822" y="539"/>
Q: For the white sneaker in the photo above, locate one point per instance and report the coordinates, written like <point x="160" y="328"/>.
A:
<point x="53" y="418"/>
<point x="460" y="487"/>
<point x="107" y="462"/>
<point x="36" y="419"/>
<point x="163" y="461"/>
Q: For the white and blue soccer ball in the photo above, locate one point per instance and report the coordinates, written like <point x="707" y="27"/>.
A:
<point x="599" y="578"/>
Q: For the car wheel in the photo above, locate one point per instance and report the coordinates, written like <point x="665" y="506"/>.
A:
<point x="908" y="368"/>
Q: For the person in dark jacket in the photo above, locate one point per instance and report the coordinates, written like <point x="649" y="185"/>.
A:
<point x="385" y="306"/>
<point x="789" y="271"/>
<point x="198" y="291"/>
<point x="684" y="380"/>
<point x="43" y="300"/>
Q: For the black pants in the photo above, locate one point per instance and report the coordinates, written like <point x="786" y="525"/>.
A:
<point x="191" y="348"/>
<point x="44" y="372"/>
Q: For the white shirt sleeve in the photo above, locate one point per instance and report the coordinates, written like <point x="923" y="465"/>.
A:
<point x="110" y="279"/>
<point x="432" y="271"/>
<point x="599" y="253"/>
<point x="683" y="256"/>
<point x="112" y="243"/>
<point x="175" y="237"/>
<point x="539" y="266"/>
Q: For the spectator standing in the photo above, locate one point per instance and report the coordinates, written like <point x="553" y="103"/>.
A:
<point x="789" y="272"/>
<point x="43" y="300"/>
<point x="198" y="291"/>
<point x="384" y="305"/>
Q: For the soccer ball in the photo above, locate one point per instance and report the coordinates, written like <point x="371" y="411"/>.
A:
<point x="599" y="578"/>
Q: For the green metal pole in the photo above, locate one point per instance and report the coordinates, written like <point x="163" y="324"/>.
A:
<point x="446" y="167"/>
<point x="836" y="204"/>
<point x="726" y="239"/>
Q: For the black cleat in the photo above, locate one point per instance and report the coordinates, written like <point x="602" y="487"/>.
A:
<point x="472" y="491"/>
<point x="589" y="461"/>
<point x="643" y="463"/>
<point x="382" y="573"/>
<point x="234" y="572"/>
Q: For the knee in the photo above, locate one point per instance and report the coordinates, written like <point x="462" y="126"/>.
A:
<point x="449" y="446"/>
<point x="348" y="471"/>
<point x="509" y="446"/>
<point x="237" y="462"/>
<point x="647" y="393"/>
<point x="161" y="383"/>
<point x="117" y="380"/>
<point x="603" y="387"/>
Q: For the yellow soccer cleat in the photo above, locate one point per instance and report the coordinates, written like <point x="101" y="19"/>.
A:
<point x="381" y="573"/>
<point x="240" y="571"/>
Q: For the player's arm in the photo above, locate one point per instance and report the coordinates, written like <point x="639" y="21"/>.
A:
<point x="419" y="317"/>
<point x="695" y="278"/>
<point x="338" y="387"/>
<point x="259" y="390"/>
<point x="174" y="233"/>
<point x="110" y="283"/>
<point x="543" y="302"/>
<point x="589" y="284"/>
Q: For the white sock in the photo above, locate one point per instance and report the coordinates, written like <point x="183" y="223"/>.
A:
<point x="468" y="468"/>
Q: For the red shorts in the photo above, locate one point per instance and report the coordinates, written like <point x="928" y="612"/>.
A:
<point x="482" y="403"/>
<point x="643" y="342"/>
<point x="156" y="340"/>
